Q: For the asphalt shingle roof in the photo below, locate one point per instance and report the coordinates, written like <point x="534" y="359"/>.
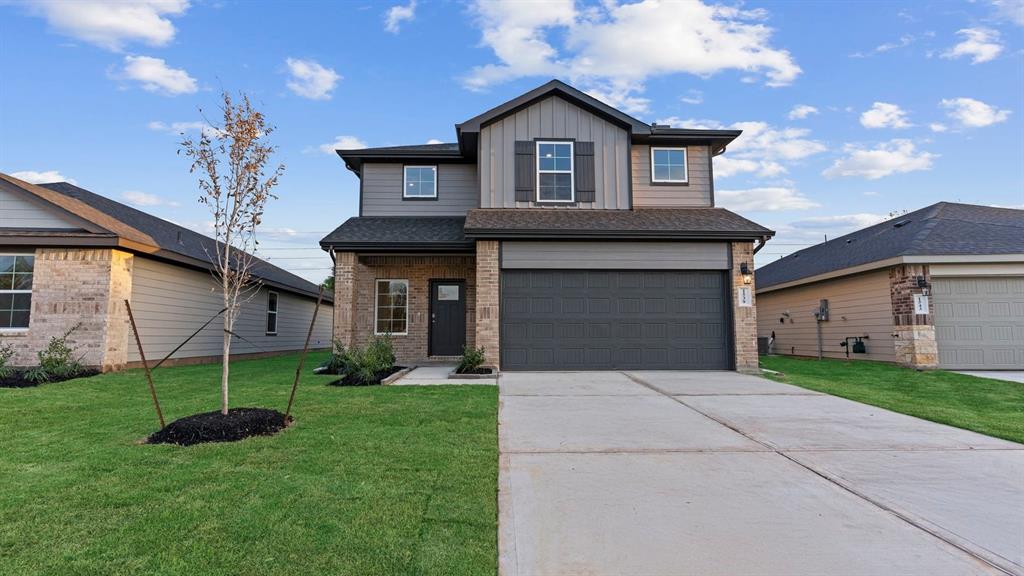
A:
<point x="944" y="228"/>
<point x="390" y="232"/>
<point x="662" y="222"/>
<point x="178" y="239"/>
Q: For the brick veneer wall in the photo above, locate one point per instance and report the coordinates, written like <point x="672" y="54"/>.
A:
<point x="71" y="286"/>
<point x="488" y="299"/>
<point x="915" y="333"/>
<point x="744" y="319"/>
<point x="354" y="284"/>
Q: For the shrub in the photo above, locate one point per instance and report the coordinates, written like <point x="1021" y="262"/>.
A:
<point x="368" y="364"/>
<point x="472" y="359"/>
<point x="56" y="361"/>
<point x="336" y="363"/>
<point x="6" y="353"/>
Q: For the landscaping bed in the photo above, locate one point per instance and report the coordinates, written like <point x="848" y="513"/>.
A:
<point x="238" y="424"/>
<point x="992" y="407"/>
<point x="19" y="378"/>
<point x="356" y="380"/>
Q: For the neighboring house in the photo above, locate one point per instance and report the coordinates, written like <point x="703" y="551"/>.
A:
<point x="939" y="287"/>
<point x="70" y="256"/>
<point x="544" y="235"/>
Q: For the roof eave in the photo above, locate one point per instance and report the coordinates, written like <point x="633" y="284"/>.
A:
<point x="542" y="234"/>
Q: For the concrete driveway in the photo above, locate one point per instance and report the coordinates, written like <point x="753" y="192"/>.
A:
<point x="656" y="473"/>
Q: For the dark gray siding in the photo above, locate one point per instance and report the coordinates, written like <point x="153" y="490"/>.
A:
<point x="612" y="255"/>
<point x="457" y="191"/>
<point x="553" y="117"/>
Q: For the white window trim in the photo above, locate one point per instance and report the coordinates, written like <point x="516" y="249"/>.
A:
<point x="376" y="305"/>
<point x="571" y="172"/>
<point x="405" y="181"/>
<point x="277" y="316"/>
<point x="686" y="168"/>
<point x="20" y="330"/>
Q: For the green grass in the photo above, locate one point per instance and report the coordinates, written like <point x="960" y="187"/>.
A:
<point x="992" y="407"/>
<point x="376" y="480"/>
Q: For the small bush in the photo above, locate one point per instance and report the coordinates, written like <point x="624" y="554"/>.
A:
<point x="56" y="361"/>
<point x="336" y="363"/>
<point x="369" y="365"/>
<point x="6" y="353"/>
<point x="472" y="359"/>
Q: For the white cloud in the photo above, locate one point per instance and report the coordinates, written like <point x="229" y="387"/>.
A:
<point x="44" y="177"/>
<point x="937" y="127"/>
<point x="156" y="76"/>
<point x="692" y="97"/>
<point x="972" y="113"/>
<point x="904" y="41"/>
<point x="111" y="24"/>
<point x="764" y="199"/>
<point x="183" y="127"/>
<point x="1012" y="10"/>
<point x="884" y="115"/>
<point x="435" y="141"/>
<point x="142" y="199"/>
<point x="981" y="44"/>
<point x="601" y="43"/>
<point x="398" y="14"/>
<point x="842" y="221"/>
<point x="892" y="157"/>
<point x="311" y="80"/>
<point x="342" y="143"/>
<point x="726" y="166"/>
<point x="801" y="111"/>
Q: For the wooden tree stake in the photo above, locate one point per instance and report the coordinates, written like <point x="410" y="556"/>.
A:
<point x="142" y="355"/>
<point x="305" y="349"/>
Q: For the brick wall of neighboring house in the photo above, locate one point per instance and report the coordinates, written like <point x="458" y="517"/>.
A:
<point x="915" y="333"/>
<point x="78" y="286"/>
<point x="488" y="282"/>
<point x="744" y="318"/>
<point x="355" y="278"/>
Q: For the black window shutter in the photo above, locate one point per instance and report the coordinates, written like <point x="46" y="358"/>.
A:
<point x="584" y="168"/>
<point x="526" y="170"/>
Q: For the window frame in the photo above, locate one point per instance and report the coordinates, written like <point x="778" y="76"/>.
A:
<point x="376" y="306"/>
<point x="405" y="181"/>
<point x="571" y="171"/>
<point x="20" y="329"/>
<point x="276" y="311"/>
<point x="686" y="168"/>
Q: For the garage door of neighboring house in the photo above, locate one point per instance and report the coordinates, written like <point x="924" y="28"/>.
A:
<point x="979" y="322"/>
<point x="614" y="319"/>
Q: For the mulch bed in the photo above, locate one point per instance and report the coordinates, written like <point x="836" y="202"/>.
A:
<point x="476" y="371"/>
<point x="18" y="380"/>
<point x="240" y="423"/>
<point x="350" y="380"/>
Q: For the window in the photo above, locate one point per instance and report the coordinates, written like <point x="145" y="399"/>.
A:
<point x="271" y="313"/>
<point x="420" y="182"/>
<point x="668" y="165"/>
<point x="15" y="290"/>
<point x="554" y="172"/>
<point x="392" y="307"/>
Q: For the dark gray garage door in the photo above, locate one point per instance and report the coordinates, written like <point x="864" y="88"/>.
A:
<point x="615" y="319"/>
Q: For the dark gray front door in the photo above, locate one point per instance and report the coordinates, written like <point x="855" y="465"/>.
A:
<point x="447" y="317"/>
<point x="614" y="320"/>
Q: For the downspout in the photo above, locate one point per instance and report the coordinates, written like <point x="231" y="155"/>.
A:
<point x="760" y="243"/>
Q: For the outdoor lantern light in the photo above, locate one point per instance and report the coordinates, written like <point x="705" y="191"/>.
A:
<point x="748" y="277"/>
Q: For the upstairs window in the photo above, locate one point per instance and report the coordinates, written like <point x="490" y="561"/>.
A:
<point x="420" y="182"/>
<point x="271" y="313"/>
<point x="15" y="290"/>
<point x="668" y="165"/>
<point x="554" y="172"/>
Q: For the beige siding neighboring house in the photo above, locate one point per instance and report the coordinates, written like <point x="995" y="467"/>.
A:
<point x="69" y="258"/>
<point x="941" y="287"/>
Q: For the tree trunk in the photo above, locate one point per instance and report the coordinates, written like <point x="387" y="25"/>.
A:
<point x="225" y="360"/>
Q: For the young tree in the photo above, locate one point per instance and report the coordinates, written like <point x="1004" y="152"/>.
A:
<point x="231" y="162"/>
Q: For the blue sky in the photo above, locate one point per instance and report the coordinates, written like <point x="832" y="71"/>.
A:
<point x="850" y="111"/>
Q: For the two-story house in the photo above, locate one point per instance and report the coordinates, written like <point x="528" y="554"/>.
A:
<point x="559" y="234"/>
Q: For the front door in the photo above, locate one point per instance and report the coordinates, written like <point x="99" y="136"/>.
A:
<point x="447" y="317"/>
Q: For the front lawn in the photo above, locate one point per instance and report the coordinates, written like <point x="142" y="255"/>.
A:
<point x="374" y="480"/>
<point x="992" y="407"/>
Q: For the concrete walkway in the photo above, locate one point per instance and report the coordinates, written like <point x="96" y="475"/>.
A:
<point x="710" y="473"/>
<point x="436" y="376"/>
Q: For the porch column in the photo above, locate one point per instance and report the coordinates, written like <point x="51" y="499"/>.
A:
<point x="744" y="317"/>
<point x="915" y="333"/>
<point x="488" y="279"/>
<point x="344" y="297"/>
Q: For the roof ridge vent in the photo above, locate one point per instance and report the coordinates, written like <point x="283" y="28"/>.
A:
<point x="901" y="223"/>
